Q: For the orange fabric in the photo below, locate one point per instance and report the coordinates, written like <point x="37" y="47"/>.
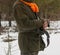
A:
<point x="33" y="6"/>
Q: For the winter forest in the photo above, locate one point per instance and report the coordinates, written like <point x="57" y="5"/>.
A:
<point x="49" y="9"/>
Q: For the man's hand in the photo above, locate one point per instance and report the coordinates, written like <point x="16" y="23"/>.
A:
<point x="45" y="24"/>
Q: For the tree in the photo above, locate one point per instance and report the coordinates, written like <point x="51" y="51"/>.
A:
<point x="48" y="7"/>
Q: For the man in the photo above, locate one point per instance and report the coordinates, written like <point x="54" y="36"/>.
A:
<point x="26" y="16"/>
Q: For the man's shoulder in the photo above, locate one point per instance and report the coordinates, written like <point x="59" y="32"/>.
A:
<point x="17" y="3"/>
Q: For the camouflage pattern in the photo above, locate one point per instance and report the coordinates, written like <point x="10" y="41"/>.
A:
<point x="27" y="24"/>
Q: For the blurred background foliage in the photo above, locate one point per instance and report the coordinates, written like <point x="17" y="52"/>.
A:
<point x="49" y="9"/>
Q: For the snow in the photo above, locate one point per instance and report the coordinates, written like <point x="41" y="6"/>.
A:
<point x="52" y="49"/>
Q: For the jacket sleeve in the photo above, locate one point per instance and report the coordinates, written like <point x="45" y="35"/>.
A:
<point x="24" y="19"/>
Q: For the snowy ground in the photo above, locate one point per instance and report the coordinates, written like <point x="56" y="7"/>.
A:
<point x="52" y="49"/>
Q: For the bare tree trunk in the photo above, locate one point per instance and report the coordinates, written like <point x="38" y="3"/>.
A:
<point x="0" y="20"/>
